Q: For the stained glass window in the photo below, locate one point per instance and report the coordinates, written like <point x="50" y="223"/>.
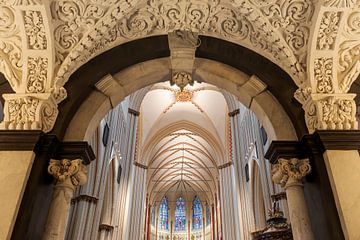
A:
<point x="180" y="215"/>
<point x="208" y="215"/>
<point x="196" y="214"/>
<point x="164" y="214"/>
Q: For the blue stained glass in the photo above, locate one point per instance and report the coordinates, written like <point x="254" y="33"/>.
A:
<point x="208" y="215"/>
<point x="164" y="214"/>
<point x="180" y="215"/>
<point x="197" y="214"/>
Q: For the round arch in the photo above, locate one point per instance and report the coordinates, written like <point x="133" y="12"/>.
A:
<point x="268" y="94"/>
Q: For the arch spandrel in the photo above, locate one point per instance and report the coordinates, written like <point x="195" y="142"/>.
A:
<point x="57" y="37"/>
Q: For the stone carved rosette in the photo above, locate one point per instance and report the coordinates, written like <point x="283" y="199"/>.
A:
<point x="29" y="112"/>
<point x="330" y="112"/>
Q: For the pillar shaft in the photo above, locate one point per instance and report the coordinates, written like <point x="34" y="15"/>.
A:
<point x="343" y="167"/>
<point x="289" y="174"/>
<point x="68" y="175"/>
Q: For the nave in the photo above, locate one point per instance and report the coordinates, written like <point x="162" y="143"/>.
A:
<point x="179" y="171"/>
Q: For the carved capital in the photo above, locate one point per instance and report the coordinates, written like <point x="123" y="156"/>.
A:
<point x="68" y="171"/>
<point x="330" y="112"/>
<point x="29" y="112"/>
<point x="289" y="172"/>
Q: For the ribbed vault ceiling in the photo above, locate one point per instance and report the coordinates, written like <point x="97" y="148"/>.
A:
<point x="184" y="141"/>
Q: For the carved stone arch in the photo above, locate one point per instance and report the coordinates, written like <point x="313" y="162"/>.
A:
<point x="211" y="49"/>
<point x="247" y="23"/>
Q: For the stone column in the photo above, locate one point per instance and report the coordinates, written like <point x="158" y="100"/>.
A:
<point x="289" y="174"/>
<point x="68" y="174"/>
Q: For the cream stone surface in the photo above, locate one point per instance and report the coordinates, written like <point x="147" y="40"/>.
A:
<point x="253" y="95"/>
<point x="269" y="111"/>
<point x="15" y="167"/>
<point x="343" y="168"/>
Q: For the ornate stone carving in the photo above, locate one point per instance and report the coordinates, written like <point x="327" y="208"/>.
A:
<point x="323" y="74"/>
<point x="29" y="112"/>
<point x="11" y="60"/>
<point x="302" y="94"/>
<point x="239" y="22"/>
<point x="292" y="171"/>
<point x="73" y="19"/>
<point x="328" y="31"/>
<point x="37" y="74"/>
<point x="335" y="111"/>
<point x="339" y="3"/>
<point x="181" y="79"/>
<point x="349" y="52"/>
<point x="35" y="30"/>
<point x="68" y="170"/>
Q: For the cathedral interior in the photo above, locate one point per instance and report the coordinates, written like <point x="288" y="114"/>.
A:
<point x="179" y="119"/>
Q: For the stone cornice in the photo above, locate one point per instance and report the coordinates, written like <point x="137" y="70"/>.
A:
<point x="316" y="143"/>
<point x="234" y="113"/>
<point x="19" y="140"/>
<point x="105" y="227"/>
<point x="140" y="165"/>
<point x="37" y="141"/>
<point x="73" y="150"/>
<point x="84" y="197"/>
<point x="284" y="149"/>
<point x="133" y="112"/>
<point x="225" y="165"/>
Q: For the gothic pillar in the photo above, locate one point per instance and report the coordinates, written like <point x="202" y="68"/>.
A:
<point x="228" y="206"/>
<point x="68" y="174"/>
<point x="243" y="218"/>
<point x="289" y="174"/>
<point x="138" y="200"/>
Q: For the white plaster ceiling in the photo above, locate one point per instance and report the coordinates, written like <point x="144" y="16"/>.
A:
<point x="183" y="161"/>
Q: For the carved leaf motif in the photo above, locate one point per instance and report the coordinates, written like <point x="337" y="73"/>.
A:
<point x="323" y="73"/>
<point x="37" y="74"/>
<point x="10" y="47"/>
<point x="35" y="30"/>
<point x="73" y="19"/>
<point x="238" y="22"/>
<point x="349" y="52"/>
<point x="22" y="111"/>
<point x="328" y="30"/>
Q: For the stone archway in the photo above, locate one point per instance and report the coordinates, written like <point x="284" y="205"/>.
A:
<point x="322" y="66"/>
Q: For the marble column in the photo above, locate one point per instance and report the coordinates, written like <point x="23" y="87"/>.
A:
<point x="289" y="173"/>
<point x="68" y="174"/>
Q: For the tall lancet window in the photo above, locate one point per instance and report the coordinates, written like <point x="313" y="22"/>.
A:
<point x="208" y="215"/>
<point x="196" y="214"/>
<point x="180" y="215"/>
<point x="164" y="214"/>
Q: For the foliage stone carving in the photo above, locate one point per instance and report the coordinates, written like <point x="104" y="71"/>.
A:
<point x="35" y="30"/>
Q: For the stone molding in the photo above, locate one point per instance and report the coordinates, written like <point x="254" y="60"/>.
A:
<point x="316" y="143"/>
<point x="106" y="227"/>
<point x="133" y="112"/>
<point x="137" y="164"/>
<point x="225" y="165"/>
<point x="84" y="197"/>
<point x="234" y="113"/>
<point x="38" y="141"/>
